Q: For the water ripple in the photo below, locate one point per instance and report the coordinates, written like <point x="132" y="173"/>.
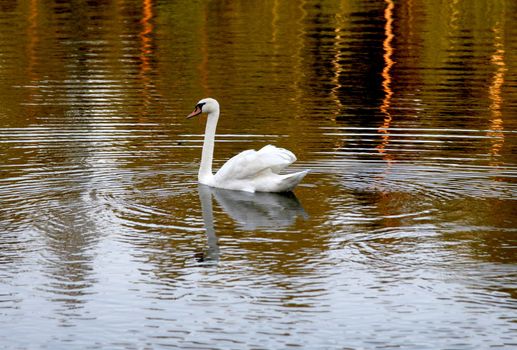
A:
<point x="401" y="236"/>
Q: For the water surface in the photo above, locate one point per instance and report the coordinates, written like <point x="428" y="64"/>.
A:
<point x="402" y="236"/>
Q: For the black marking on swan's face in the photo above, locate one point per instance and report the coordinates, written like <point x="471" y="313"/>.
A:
<point x="206" y="105"/>
<point x="198" y="109"/>
<point x="200" y="105"/>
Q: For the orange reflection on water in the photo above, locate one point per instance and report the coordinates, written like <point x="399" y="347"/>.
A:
<point x="336" y="61"/>
<point x="146" y="49"/>
<point x="496" y="101"/>
<point x="32" y="34"/>
<point x="386" y="83"/>
<point x="145" y="36"/>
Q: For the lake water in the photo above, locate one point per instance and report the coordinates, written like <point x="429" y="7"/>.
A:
<point x="402" y="236"/>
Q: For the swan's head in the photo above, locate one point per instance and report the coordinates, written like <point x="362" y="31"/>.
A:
<point x="206" y="105"/>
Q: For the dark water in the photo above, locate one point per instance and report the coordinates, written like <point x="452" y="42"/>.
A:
<point x="402" y="236"/>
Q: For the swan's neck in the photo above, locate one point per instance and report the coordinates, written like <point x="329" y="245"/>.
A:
<point x="205" y="169"/>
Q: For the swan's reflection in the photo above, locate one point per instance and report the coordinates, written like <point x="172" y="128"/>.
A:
<point x="250" y="211"/>
<point x="211" y="254"/>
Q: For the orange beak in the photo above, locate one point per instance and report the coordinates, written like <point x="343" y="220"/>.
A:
<point x="195" y="112"/>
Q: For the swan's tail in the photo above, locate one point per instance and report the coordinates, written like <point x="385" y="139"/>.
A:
<point x="278" y="183"/>
<point x="290" y="181"/>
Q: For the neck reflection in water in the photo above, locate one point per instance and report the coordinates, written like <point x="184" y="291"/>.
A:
<point x="251" y="211"/>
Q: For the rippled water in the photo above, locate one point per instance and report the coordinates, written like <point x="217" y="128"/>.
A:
<point x="402" y="236"/>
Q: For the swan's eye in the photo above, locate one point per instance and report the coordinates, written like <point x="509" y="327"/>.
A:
<point x="200" y="105"/>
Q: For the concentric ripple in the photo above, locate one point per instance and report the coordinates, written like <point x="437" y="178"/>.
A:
<point x="401" y="236"/>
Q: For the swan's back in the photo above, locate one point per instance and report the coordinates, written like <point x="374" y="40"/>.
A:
<point x="259" y="171"/>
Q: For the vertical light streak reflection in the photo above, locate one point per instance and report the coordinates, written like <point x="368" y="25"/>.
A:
<point x="32" y="34"/>
<point x="454" y="16"/>
<point x="146" y="49"/>
<point x="494" y="94"/>
<point x="145" y="36"/>
<point x="453" y="13"/>
<point x="274" y="24"/>
<point x="336" y="60"/>
<point x="386" y="83"/>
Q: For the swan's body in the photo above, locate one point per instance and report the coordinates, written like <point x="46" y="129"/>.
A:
<point x="251" y="171"/>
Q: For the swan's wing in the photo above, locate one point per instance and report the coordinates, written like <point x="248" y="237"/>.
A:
<point x="275" y="158"/>
<point x="248" y="164"/>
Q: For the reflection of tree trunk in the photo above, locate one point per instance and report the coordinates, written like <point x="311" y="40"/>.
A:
<point x="337" y="65"/>
<point x="145" y="33"/>
<point x="386" y="80"/>
<point x="146" y="51"/>
<point x="494" y="94"/>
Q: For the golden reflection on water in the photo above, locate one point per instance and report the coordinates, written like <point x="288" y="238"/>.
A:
<point x="339" y="42"/>
<point x="32" y="35"/>
<point x="454" y="15"/>
<point x="496" y="101"/>
<point x="147" y="53"/>
<point x="104" y="211"/>
<point x="387" y="81"/>
<point x="146" y="36"/>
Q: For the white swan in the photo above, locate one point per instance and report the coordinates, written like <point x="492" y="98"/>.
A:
<point x="250" y="171"/>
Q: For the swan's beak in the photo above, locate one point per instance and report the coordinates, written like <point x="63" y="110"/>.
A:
<point x="195" y="112"/>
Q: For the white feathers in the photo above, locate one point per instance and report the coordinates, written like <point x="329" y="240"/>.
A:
<point x="249" y="170"/>
<point x="259" y="171"/>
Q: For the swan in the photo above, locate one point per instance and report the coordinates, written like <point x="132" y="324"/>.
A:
<point x="250" y="170"/>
